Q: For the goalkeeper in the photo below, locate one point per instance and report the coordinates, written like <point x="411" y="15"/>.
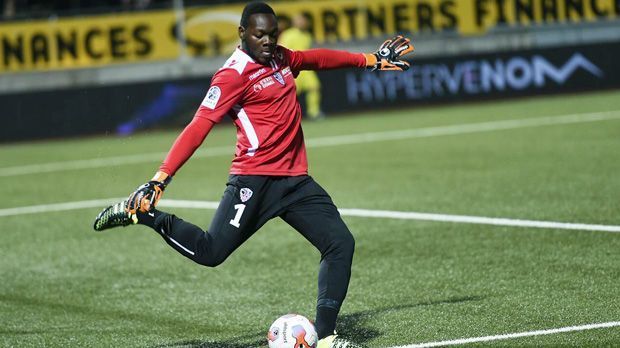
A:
<point x="269" y="172"/>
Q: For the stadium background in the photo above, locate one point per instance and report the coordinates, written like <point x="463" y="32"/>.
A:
<point x="94" y="92"/>
<point x="146" y="63"/>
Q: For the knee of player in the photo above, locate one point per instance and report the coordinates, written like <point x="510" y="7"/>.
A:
<point x="350" y="242"/>
<point x="344" y="243"/>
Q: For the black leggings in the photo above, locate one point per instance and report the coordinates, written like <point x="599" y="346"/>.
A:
<point x="248" y="203"/>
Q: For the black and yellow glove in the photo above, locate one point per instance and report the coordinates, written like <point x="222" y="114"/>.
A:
<point x="389" y="54"/>
<point x="145" y="197"/>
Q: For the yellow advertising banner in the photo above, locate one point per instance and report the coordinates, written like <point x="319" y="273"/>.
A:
<point x="343" y="20"/>
<point x="208" y="31"/>
<point x="87" y="42"/>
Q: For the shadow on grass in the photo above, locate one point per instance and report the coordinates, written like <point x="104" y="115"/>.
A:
<point x="352" y="326"/>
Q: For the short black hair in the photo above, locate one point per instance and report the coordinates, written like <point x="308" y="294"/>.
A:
<point x="254" y="8"/>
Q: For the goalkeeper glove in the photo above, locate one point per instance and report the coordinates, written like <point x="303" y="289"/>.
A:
<point x="388" y="55"/>
<point x="145" y="197"/>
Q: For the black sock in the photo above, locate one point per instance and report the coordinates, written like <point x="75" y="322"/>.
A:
<point x="325" y="321"/>
<point x="149" y="219"/>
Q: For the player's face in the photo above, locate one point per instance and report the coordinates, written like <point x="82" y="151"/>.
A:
<point x="260" y="37"/>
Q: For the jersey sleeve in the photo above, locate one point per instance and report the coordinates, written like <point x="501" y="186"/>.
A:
<point x="225" y="91"/>
<point x="323" y="59"/>
<point x="186" y="144"/>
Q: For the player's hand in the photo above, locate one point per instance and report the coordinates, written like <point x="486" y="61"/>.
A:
<point x="389" y="54"/>
<point x="145" y="197"/>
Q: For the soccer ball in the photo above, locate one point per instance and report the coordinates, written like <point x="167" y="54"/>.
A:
<point x="292" y="331"/>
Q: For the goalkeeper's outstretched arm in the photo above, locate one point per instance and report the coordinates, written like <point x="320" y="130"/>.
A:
<point x="387" y="57"/>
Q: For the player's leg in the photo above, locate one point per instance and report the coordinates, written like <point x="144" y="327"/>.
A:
<point x="238" y="216"/>
<point x="236" y="219"/>
<point x="311" y="211"/>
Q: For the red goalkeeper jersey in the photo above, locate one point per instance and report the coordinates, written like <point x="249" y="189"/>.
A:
<point x="262" y="102"/>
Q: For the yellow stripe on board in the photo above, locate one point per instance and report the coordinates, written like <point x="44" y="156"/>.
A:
<point x="212" y="30"/>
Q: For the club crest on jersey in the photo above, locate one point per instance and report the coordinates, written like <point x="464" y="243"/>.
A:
<point x="245" y="194"/>
<point x="278" y="76"/>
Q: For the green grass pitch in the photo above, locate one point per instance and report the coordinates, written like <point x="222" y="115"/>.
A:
<point x="64" y="285"/>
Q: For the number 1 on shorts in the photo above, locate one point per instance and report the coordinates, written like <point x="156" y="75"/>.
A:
<point x="240" y="208"/>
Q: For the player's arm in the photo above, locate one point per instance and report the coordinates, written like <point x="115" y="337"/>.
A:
<point x="145" y="197"/>
<point x="224" y="93"/>
<point x="387" y="57"/>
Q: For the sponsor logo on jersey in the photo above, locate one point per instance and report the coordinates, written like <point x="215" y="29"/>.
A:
<point x="257" y="74"/>
<point x="286" y="71"/>
<point x="266" y="82"/>
<point x="213" y="96"/>
<point x="278" y="76"/>
<point x="245" y="194"/>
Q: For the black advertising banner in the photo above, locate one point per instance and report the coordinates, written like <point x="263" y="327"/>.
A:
<point x="124" y="109"/>
<point x="475" y="77"/>
<point x="110" y="109"/>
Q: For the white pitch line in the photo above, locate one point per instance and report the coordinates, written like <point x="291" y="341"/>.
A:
<point x="350" y="139"/>
<point x="512" y="335"/>
<point x="46" y="208"/>
<point x="480" y="220"/>
<point x="463" y="128"/>
<point x="366" y="213"/>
